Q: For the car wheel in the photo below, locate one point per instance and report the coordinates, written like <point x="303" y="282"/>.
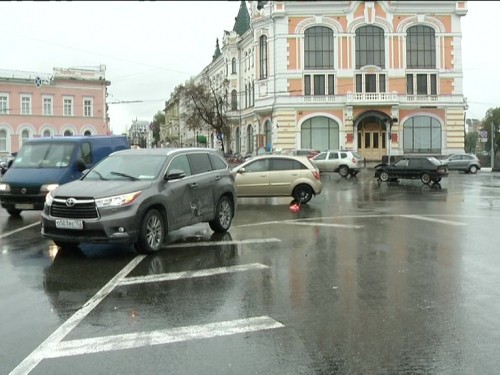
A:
<point x="425" y="178"/>
<point x="302" y="193"/>
<point x="383" y="176"/>
<point x="151" y="233"/>
<point x="473" y="169"/>
<point x="13" y="212"/>
<point x="343" y="171"/>
<point x="223" y="215"/>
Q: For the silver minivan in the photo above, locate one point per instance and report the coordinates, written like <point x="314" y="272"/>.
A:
<point x="137" y="196"/>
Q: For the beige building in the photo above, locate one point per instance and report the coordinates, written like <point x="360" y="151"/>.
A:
<point x="379" y="77"/>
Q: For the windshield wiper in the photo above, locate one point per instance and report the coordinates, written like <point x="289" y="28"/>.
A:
<point x="124" y="175"/>
<point x="100" y="175"/>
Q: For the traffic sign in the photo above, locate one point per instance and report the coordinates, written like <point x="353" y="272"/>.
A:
<point x="484" y="134"/>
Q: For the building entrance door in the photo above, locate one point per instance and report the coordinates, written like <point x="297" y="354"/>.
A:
<point x="371" y="141"/>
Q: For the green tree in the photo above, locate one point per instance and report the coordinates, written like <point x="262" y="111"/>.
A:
<point x="471" y="139"/>
<point x="158" y="121"/>
<point x="492" y="116"/>
<point x="204" y="105"/>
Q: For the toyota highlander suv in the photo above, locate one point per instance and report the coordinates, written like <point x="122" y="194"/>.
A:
<point x="137" y="196"/>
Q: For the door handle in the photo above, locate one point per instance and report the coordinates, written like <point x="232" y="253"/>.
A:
<point x="193" y="185"/>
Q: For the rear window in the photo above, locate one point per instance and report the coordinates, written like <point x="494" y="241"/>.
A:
<point x="217" y="162"/>
<point x="200" y="163"/>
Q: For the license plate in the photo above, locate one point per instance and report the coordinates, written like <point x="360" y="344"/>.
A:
<point x="69" y="224"/>
<point x="24" y="206"/>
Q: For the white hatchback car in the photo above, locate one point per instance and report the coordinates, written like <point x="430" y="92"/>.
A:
<point x="341" y="161"/>
<point x="278" y="176"/>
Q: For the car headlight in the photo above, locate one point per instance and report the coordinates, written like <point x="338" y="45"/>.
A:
<point x="49" y="199"/>
<point x="48" y="187"/>
<point x="117" y="200"/>
<point x="5" y="188"/>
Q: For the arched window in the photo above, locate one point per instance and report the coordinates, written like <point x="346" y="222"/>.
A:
<point x="46" y="133"/>
<point x="318" y="48"/>
<point x="233" y="66"/>
<point x="234" y="100"/>
<point x="68" y="133"/>
<point x="422" y="135"/>
<point x="268" y="132"/>
<point x="370" y="46"/>
<point x="421" y="47"/>
<point x="321" y="133"/>
<point x="25" y="135"/>
<point x="263" y="56"/>
<point x="3" y="140"/>
<point x="250" y="139"/>
<point x="87" y="132"/>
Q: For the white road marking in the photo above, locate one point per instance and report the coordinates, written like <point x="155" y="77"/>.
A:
<point x="45" y="348"/>
<point x="190" y="274"/>
<point x="19" y="230"/>
<point x="417" y="217"/>
<point x="214" y="243"/>
<point x="349" y="226"/>
<point x="160" y="337"/>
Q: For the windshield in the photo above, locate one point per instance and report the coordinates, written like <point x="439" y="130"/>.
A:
<point x="44" y="155"/>
<point x="127" y="167"/>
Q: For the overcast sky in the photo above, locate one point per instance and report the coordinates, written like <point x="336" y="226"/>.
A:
<point x="151" y="47"/>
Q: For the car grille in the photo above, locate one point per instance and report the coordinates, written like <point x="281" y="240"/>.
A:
<point x="82" y="209"/>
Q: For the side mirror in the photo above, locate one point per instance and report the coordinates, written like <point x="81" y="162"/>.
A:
<point x="80" y="165"/>
<point x="241" y="170"/>
<point x="174" y="174"/>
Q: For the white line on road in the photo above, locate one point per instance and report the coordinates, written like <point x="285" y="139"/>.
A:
<point x="417" y="217"/>
<point x="190" y="274"/>
<point x="165" y="336"/>
<point x="19" y="229"/>
<point x="325" y="224"/>
<point x="45" y="348"/>
<point x="218" y="243"/>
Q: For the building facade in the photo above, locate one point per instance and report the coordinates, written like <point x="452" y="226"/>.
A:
<point x="68" y="102"/>
<point x="379" y="77"/>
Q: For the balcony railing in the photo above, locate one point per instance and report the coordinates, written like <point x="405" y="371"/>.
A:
<point x="372" y="97"/>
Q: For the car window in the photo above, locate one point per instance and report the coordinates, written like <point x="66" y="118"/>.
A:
<point x="258" y="166"/>
<point x="217" y="162"/>
<point x="433" y="160"/>
<point x="86" y="152"/>
<point x="199" y="162"/>
<point x="180" y="162"/>
<point x="402" y="163"/>
<point x="333" y="155"/>
<point x="285" y="165"/>
<point x="415" y="163"/>
<point x="343" y="155"/>
<point x="321" y="156"/>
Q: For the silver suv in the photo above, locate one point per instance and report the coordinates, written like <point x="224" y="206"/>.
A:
<point x="137" y="196"/>
<point x="468" y="163"/>
<point x="341" y="161"/>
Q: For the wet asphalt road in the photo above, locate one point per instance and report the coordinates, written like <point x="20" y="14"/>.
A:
<point x="368" y="278"/>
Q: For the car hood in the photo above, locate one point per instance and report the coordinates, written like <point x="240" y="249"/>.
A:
<point x="99" y="189"/>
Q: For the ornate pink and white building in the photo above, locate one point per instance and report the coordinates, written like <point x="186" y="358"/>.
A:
<point x="67" y="102"/>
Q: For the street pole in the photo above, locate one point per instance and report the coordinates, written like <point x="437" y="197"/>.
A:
<point x="492" y="151"/>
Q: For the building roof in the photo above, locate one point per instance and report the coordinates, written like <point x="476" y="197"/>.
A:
<point x="242" y="21"/>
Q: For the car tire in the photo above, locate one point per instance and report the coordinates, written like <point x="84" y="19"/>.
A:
<point x="302" y="193"/>
<point x="425" y="178"/>
<point x="224" y="213"/>
<point x="383" y="176"/>
<point x="473" y="169"/>
<point x="343" y="170"/>
<point x="151" y="233"/>
<point x="13" y="212"/>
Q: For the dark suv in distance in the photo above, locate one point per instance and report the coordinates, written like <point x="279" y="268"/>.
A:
<point x="137" y="196"/>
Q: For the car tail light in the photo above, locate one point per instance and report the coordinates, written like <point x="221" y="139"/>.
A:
<point x="354" y="161"/>
<point x="316" y="175"/>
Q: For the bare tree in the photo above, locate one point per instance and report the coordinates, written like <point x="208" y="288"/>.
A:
<point x="204" y="105"/>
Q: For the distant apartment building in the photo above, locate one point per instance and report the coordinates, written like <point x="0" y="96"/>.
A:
<point x="379" y="77"/>
<point x="69" y="101"/>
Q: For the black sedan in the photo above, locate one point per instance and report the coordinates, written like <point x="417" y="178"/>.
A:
<point x="425" y="168"/>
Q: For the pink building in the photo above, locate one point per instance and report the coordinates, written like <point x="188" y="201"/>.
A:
<point x="67" y="102"/>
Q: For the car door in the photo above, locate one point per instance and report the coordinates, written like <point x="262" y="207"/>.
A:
<point x="333" y="161"/>
<point x="179" y="193"/>
<point x="253" y="181"/>
<point x="202" y="204"/>
<point x="283" y="174"/>
<point x="455" y="162"/>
